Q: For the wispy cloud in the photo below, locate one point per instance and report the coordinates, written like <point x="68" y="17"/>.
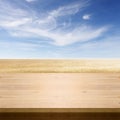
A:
<point x="69" y="9"/>
<point x="18" y="45"/>
<point x="24" y="23"/>
<point x="78" y="35"/>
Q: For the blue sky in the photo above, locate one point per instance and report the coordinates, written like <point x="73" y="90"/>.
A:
<point x="59" y="28"/>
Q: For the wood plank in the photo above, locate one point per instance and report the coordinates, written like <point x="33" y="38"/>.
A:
<point x="61" y="92"/>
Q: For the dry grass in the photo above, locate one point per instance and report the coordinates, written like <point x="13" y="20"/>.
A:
<point x="58" y="66"/>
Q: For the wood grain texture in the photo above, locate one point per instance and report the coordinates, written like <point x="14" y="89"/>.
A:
<point x="76" y="91"/>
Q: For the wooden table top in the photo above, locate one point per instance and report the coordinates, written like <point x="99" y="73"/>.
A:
<point x="60" y="92"/>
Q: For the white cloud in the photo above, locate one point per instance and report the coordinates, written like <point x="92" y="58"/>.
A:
<point x="30" y="0"/>
<point x="24" y="23"/>
<point x="86" y="16"/>
<point x="61" y="38"/>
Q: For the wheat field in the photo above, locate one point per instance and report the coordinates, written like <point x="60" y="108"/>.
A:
<point x="59" y="66"/>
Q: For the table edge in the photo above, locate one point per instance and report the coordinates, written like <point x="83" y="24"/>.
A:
<point x="59" y="110"/>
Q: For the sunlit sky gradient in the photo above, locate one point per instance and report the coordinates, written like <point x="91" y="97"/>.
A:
<point x="59" y="28"/>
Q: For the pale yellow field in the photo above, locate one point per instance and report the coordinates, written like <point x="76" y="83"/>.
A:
<point x="59" y="66"/>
